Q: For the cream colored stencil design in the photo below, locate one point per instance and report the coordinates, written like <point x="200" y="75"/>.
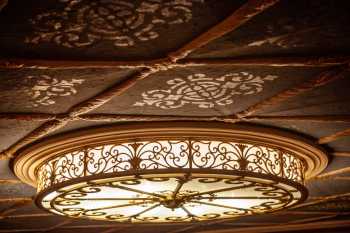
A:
<point x="83" y="22"/>
<point x="46" y="88"/>
<point x="203" y="91"/>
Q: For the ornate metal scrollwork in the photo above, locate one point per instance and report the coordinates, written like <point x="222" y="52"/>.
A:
<point x="192" y="154"/>
<point x="178" y="202"/>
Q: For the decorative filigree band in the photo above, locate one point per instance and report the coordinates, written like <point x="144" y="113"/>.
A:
<point x="181" y="153"/>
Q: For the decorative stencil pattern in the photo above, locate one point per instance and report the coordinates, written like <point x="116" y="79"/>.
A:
<point x="203" y="91"/>
<point x="45" y="88"/>
<point x="124" y="23"/>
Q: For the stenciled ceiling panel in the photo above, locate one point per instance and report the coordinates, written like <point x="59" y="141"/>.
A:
<point x="53" y="90"/>
<point x="205" y="90"/>
<point x="107" y="29"/>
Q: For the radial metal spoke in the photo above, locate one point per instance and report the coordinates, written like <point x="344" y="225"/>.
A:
<point x="144" y="211"/>
<point x="221" y="190"/>
<point x="139" y="191"/>
<point x="119" y="206"/>
<point x="237" y="198"/>
<point x="114" y="199"/>
<point x="188" y="212"/>
<point x="179" y="185"/>
<point x="218" y="205"/>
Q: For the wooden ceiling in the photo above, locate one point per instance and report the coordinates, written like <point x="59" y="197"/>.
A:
<point x="282" y="64"/>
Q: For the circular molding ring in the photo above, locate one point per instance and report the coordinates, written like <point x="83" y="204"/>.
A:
<point x="29" y="159"/>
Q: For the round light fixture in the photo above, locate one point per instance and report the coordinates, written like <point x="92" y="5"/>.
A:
<point x="169" y="172"/>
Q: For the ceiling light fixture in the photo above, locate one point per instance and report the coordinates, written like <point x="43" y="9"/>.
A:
<point x="169" y="172"/>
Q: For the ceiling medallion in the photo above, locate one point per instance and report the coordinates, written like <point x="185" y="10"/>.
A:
<point x="169" y="172"/>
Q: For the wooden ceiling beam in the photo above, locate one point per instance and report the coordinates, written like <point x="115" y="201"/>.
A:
<point x="111" y="117"/>
<point x="312" y="118"/>
<point x="341" y="154"/>
<point x="9" y="181"/>
<point x="18" y="63"/>
<point x="14" y="206"/>
<point x="292" y="61"/>
<point x="191" y="228"/>
<point x="31" y="215"/>
<point x="115" y="229"/>
<point x="15" y="199"/>
<point x="27" y="116"/>
<point x="331" y="174"/>
<point x="313" y="219"/>
<point x="25" y="230"/>
<point x="99" y="226"/>
<point x="126" y="118"/>
<point x="57" y="226"/>
<point x="286" y="61"/>
<point x="334" y="136"/>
